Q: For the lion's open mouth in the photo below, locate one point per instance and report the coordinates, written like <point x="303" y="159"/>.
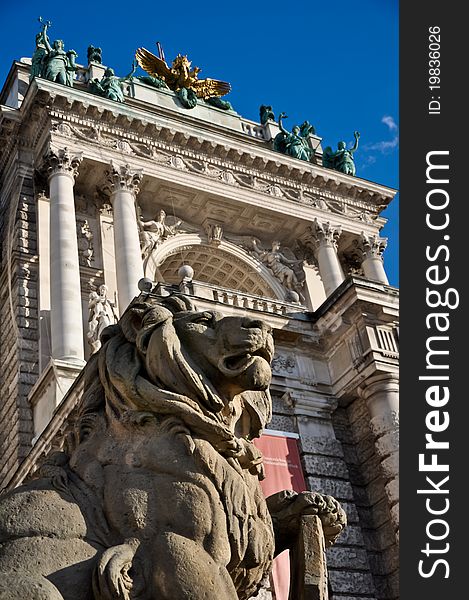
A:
<point x="237" y="363"/>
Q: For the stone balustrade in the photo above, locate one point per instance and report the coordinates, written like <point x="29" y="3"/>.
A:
<point x="233" y="298"/>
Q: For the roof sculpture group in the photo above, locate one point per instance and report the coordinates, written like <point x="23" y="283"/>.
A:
<point x="53" y="62"/>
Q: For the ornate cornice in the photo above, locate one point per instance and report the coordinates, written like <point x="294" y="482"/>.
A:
<point x="165" y="152"/>
<point x="235" y="157"/>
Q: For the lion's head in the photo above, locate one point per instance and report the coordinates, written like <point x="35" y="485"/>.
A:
<point x="232" y="353"/>
<point x="165" y="357"/>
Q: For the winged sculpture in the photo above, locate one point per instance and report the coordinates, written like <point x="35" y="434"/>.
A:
<point x="180" y="77"/>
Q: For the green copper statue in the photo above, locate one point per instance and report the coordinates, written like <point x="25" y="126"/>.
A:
<point x="342" y="160"/>
<point x="307" y="129"/>
<point x="293" y="144"/>
<point x="51" y="61"/>
<point x="218" y="102"/>
<point x="38" y="58"/>
<point x="110" y="86"/>
<point x="266" y="114"/>
<point x="155" y="82"/>
<point x="94" y="55"/>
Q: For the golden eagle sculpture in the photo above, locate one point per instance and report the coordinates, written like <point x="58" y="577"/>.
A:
<point x="180" y="75"/>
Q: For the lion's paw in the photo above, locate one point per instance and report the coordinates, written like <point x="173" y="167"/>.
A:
<point x="111" y="580"/>
<point x="287" y="508"/>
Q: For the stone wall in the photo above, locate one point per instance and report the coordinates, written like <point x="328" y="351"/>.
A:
<point x="18" y="326"/>
<point x="352" y="426"/>
<point x="326" y="471"/>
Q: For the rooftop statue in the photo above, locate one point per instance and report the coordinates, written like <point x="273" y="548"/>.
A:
<point x="307" y="129"/>
<point x="38" y="58"/>
<point x="94" y="54"/>
<point x="52" y="62"/>
<point x="181" y="78"/>
<point x="293" y="144"/>
<point x="342" y="159"/>
<point x="110" y="86"/>
<point x="153" y="81"/>
<point x="157" y="494"/>
<point x="266" y="114"/>
<point x="218" y="102"/>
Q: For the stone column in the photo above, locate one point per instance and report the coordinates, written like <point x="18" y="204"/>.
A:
<point x="323" y="238"/>
<point x="372" y="248"/>
<point x="381" y="394"/>
<point x="65" y="293"/>
<point x="123" y="183"/>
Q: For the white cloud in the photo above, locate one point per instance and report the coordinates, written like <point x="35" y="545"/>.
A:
<point x="389" y="121"/>
<point x="386" y="146"/>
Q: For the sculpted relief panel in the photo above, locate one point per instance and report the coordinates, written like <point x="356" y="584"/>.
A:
<point x="157" y="494"/>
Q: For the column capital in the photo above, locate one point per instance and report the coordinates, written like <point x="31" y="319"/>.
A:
<point x="323" y="234"/>
<point x="123" y="177"/>
<point x="371" y="246"/>
<point x="62" y="161"/>
<point x="379" y="382"/>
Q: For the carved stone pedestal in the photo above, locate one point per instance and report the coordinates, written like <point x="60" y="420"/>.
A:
<point x="308" y="562"/>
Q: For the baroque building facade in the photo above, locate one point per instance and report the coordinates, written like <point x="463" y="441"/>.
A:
<point x="97" y="195"/>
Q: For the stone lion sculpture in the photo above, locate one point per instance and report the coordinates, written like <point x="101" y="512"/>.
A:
<point x="158" y="495"/>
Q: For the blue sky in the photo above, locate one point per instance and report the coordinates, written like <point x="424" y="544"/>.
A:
<point x="333" y="63"/>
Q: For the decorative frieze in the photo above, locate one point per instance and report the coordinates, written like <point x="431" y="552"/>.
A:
<point x="283" y="364"/>
<point x="217" y="164"/>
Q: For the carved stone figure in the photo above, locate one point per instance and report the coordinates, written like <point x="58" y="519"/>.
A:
<point x="287" y="270"/>
<point x="101" y="314"/>
<point x="214" y="233"/>
<point x="58" y="65"/>
<point x="159" y="496"/>
<point x="342" y="160"/>
<point x="85" y="242"/>
<point x="155" y="231"/>
<point x="294" y="144"/>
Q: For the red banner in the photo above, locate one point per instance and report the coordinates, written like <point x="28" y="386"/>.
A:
<point x="283" y="472"/>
